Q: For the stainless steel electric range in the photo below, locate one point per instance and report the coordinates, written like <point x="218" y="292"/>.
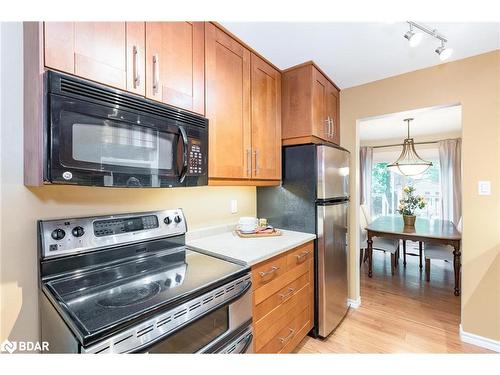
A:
<point x="127" y="283"/>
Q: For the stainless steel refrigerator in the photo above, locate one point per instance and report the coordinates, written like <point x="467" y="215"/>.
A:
<point x="314" y="198"/>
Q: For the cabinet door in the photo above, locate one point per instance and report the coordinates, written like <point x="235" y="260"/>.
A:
<point x="59" y="46"/>
<point x="332" y="113"/>
<point x="100" y="52"/>
<point x="227" y="68"/>
<point x="320" y="126"/>
<point x="136" y="58"/>
<point x="175" y="64"/>
<point x="266" y="120"/>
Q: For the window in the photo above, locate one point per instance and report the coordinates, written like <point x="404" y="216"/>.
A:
<point x="387" y="186"/>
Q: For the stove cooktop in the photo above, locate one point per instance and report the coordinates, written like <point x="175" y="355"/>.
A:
<point x="102" y="299"/>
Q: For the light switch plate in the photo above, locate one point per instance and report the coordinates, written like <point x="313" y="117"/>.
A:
<point x="484" y="187"/>
<point x="234" y="206"/>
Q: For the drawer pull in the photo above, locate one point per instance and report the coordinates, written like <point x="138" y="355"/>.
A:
<point x="302" y="255"/>
<point x="284" y="340"/>
<point x="284" y="296"/>
<point x="271" y="271"/>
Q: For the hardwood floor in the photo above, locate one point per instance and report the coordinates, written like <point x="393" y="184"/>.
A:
<point x="399" y="314"/>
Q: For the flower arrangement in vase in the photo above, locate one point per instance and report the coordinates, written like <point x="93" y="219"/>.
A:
<point x="409" y="204"/>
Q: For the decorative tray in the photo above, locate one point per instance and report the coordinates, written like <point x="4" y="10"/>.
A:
<point x="259" y="232"/>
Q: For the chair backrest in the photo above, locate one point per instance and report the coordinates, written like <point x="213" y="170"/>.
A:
<point x="366" y="212"/>
<point x="363" y="223"/>
<point x="460" y="225"/>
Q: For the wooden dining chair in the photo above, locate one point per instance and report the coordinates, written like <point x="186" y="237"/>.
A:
<point x="438" y="252"/>
<point x="379" y="243"/>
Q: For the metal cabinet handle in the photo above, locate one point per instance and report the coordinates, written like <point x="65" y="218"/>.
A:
<point x="271" y="271"/>
<point x="327" y="126"/>
<point x="257" y="162"/>
<point x="284" y="296"/>
<point x="288" y="337"/>
<point x="249" y="162"/>
<point x="137" y="77"/>
<point x="156" y="74"/>
<point x="302" y="255"/>
<point x="333" y="127"/>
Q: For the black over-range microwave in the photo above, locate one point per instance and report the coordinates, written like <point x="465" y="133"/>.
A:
<point x="99" y="136"/>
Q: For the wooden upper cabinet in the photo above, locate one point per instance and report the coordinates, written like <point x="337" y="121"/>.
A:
<point x="310" y="106"/>
<point x="59" y="49"/>
<point x="266" y="120"/>
<point x="94" y="50"/>
<point x="175" y="64"/>
<point x="227" y="67"/>
<point x="100" y="52"/>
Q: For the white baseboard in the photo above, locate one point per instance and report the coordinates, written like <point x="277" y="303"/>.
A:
<point x="354" y="303"/>
<point x="481" y="341"/>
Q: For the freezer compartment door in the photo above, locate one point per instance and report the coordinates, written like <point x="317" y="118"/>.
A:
<point x="333" y="172"/>
<point x="332" y="265"/>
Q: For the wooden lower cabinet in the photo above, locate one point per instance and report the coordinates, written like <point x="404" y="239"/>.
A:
<point x="283" y="301"/>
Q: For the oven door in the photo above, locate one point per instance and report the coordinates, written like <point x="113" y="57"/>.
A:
<point x="93" y="144"/>
<point x="213" y="332"/>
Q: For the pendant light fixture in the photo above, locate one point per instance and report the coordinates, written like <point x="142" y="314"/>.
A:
<point x="409" y="163"/>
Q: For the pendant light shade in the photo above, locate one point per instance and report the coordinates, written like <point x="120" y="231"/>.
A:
<point x="409" y="163"/>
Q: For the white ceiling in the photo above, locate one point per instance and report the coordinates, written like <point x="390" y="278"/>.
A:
<point x="427" y="122"/>
<point x="359" y="52"/>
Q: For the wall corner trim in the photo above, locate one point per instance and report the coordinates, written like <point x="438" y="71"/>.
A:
<point x="354" y="303"/>
<point x="481" y="341"/>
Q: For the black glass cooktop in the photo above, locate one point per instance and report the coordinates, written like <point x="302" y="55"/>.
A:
<point x="106" y="297"/>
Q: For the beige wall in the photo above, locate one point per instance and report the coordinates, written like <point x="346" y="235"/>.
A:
<point x="21" y="207"/>
<point x="475" y="84"/>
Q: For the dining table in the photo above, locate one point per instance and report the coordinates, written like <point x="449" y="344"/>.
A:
<point x="427" y="231"/>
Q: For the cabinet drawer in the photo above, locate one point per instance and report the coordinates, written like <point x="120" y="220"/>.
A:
<point x="270" y="324"/>
<point x="284" y="295"/>
<point x="288" y="333"/>
<point x="268" y="271"/>
<point x="300" y="255"/>
<point x="278" y="283"/>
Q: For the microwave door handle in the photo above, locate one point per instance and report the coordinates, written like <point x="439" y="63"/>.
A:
<point x="183" y="174"/>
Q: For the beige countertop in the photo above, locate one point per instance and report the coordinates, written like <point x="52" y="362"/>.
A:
<point x="224" y="243"/>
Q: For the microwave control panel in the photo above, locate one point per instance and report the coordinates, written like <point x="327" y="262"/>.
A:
<point x="195" y="158"/>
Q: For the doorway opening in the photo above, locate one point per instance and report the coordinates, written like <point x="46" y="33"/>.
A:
<point x="411" y="285"/>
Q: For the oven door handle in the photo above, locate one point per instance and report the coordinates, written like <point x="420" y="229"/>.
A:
<point x="184" y="169"/>
<point x="247" y="344"/>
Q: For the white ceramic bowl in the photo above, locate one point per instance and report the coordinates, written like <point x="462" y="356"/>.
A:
<point x="247" y="224"/>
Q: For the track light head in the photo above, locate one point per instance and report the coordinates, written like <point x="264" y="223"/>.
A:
<point x="414" y="39"/>
<point x="444" y="52"/>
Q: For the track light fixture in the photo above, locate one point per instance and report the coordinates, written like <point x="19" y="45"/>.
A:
<point x="414" y="39"/>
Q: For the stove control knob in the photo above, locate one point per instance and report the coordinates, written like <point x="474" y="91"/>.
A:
<point x="58" y="234"/>
<point x="177" y="219"/>
<point x="78" y="231"/>
<point x="167" y="220"/>
<point x="178" y="278"/>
